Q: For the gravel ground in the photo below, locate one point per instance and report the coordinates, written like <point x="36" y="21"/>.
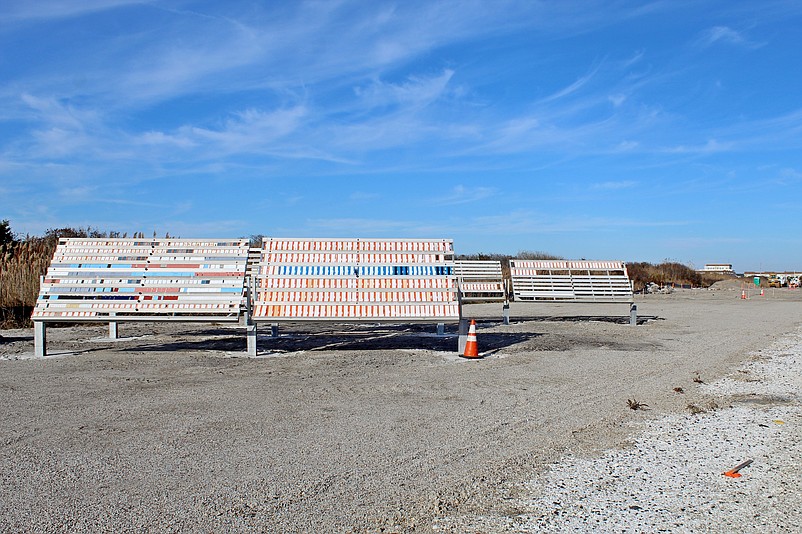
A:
<point x="382" y="428"/>
<point x="671" y="478"/>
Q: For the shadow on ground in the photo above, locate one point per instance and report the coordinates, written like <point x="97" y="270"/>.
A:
<point x="642" y="319"/>
<point x="343" y="337"/>
<point x="14" y="339"/>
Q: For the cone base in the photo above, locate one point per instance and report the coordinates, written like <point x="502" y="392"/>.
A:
<point x="471" y="351"/>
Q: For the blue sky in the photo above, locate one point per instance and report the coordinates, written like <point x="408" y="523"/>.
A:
<point x="639" y="131"/>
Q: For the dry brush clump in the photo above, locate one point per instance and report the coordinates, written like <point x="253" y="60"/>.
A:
<point x="634" y="404"/>
<point x="669" y="272"/>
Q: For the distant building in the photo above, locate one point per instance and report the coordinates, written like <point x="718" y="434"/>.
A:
<point x="717" y="268"/>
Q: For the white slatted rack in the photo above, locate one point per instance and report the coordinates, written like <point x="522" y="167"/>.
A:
<point x="105" y="280"/>
<point x="480" y="280"/>
<point x="254" y="254"/>
<point x="356" y="280"/>
<point x="570" y="281"/>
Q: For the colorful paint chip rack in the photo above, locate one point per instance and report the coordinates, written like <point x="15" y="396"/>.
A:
<point x="99" y="279"/>
<point x="356" y="280"/>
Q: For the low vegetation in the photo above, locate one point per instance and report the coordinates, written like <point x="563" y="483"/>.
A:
<point x="636" y="405"/>
<point x="670" y="273"/>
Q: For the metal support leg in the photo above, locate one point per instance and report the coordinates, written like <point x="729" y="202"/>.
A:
<point x="633" y="315"/>
<point x="250" y="326"/>
<point x="274" y="330"/>
<point x="441" y="329"/>
<point x="505" y="313"/>
<point x="39" y="339"/>
<point x="463" y="336"/>
<point x="250" y="329"/>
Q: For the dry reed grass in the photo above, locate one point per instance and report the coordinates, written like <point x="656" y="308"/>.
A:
<point x="21" y="266"/>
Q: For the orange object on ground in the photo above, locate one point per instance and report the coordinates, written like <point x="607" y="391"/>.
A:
<point x="733" y="473"/>
<point x="471" y="347"/>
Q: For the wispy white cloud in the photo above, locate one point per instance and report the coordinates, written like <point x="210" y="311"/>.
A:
<point x="465" y="195"/>
<point x="213" y="49"/>
<point x="790" y="174"/>
<point x="363" y="196"/>
<point x="527" y="222"/>
<point x="721" y="33"/>
<point x="573" y="88"/>
<point x="541" y="131"/>
<point x="636" y="58"/>
<point x="690" y="242"/>
<point x="194" y="64"/>
<point x="617" y="99"/>
<point x="726" y="35"/>
<point x="414" y="93"/>
<point x="50" y="111"/>
<point x="710" y="147"/>
<point x="161" y="139"/>
<point x="360" y="226"/>
<point x="286" y="133"/>
<point x="50" y="9"/>
<point x="58" y="129"/>
<point x="207" y="228"/>
<point x="251" y="128"/>
<point x="766" y="134"/>
<point x="626" y="145"/>
<point x="100" y="194"/>
<point x="616" y="185"/>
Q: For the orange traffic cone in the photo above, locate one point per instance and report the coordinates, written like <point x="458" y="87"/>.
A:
<point x="471" y="348"/>
<point x="743" y="294"/>
<point x="761" y="292"/>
